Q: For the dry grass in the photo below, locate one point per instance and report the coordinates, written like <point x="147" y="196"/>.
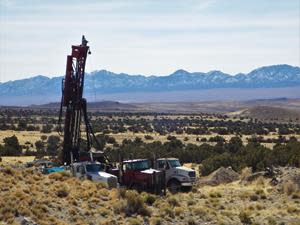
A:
<point x="289" y="188"/>
<point x="61" y="199"/>
<point x="246" y="172"/>
<point x="24" y="136"/>
<point x="15" y="159"/>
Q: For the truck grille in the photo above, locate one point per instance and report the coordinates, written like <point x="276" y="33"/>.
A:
<point x="192" y="174"/>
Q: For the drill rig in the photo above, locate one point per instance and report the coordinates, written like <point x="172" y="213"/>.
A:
<point x="76" y="109"/>
<point x="75" y="105"/>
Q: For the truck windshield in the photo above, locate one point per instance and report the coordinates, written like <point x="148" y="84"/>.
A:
<point x="140" y="165"/>
<point x="174" y="163"/>
<point x="94" y="168"/>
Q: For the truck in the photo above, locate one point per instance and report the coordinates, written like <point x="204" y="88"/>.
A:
<point x="94" y="171"/>
<point x="138" y="174"/>
<point x="178" y="177"/>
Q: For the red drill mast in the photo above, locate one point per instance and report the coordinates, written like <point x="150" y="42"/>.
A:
<point x="74" y="102"/>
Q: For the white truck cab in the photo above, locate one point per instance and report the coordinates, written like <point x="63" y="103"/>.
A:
<point x="94" y="171"/>
<point x="177" y="176"/>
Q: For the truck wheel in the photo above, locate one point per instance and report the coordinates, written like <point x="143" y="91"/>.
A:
<point x="174" y="186"/>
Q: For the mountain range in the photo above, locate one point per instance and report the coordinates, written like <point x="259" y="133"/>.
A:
<point x="105" y="83"/>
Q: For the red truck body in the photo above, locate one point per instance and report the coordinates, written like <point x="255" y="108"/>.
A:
<point x="137" y="174"/>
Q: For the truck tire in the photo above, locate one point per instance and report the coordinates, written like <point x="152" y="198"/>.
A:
<point x="174" y="186"/>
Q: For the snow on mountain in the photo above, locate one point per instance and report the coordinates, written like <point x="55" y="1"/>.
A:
<point x="104" y="81"/>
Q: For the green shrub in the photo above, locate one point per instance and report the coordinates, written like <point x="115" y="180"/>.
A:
<point x="200" y="211"/>
<point x="121" y="193"/>
<point x="254" y="197"/>
<point x="156" y="221"/>
<point x="62" y="192"/>
<point x="173" y="201"/>
<point x="135" y="204"/>
<point x="148" y="137"/>
<point x="167" y="210"/>
<point x="191" y="221"/>
<point x="133" y="221"/>
<point x="8" y="170"/>
<point x="289" y="188"/>
<point x="149" y="198"/>
<point x="215" y="195"/>
<point x="245" y="217"/>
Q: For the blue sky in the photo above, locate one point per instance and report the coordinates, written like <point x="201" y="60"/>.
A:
<point x="148" y="36"/>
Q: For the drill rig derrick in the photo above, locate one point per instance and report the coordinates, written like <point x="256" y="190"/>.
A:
<point x="75" y="104"/>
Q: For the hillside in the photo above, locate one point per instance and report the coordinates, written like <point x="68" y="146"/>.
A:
<point x="60" y="199"/>
<point x="270" y="113"/>
<point x="106" y="106"/>
<point x="260" y="108"/>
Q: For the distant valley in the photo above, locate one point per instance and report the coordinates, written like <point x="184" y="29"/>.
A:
<point x="270" y="110"/>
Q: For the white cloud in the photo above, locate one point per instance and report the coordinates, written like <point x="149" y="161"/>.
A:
<point x="144" y="36"/>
